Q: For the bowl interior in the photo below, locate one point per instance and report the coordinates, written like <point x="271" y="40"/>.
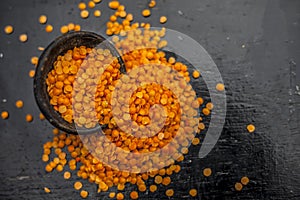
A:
<point x="58" y="47"/>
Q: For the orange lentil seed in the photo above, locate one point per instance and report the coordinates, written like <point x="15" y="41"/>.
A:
<point x="42" y="117"/>
<point x="23" y="37"/>
<point x="84" y="14"/>
<point x="120" y="196"/>
<point x="82" y="6"/>
<point x="196" y="74"/>
<point x="220" y="87"/>
<point x="67" y="175"/>
<point x="97" y="13"/>
<point x="152" y="4"/>
<point x="169" y="192"/>
<point x="29" y="118"/>
<point x="77" y="27"/>
<point x="113" y="4"/>
<point x="8" y="29"/>
<point x="91" y="4"/>
<point x="207" y="172"/>
<point x="238" y="186"/>
<point x="146" y="12"/>
<point x="19" y="104"/>
<point x="43" y="19"/>
<point x="71" y="26"/>
<point x="84" y="194"/>
<point x="77" y="185"/>
<point x="64" y="29"/>
<point x="47" y="190"/>
<point x="193" y="192"/>
<point x="134" y="195"/>
<point x="112" y="195"/>
<point x="250" y="128"/>
<point x="49" y="28"/>
<point x="245" y="180"/>
<point x="31" y="73"/>
<point x="195" y="141"/>
<point x="153" y="188"/>
<point x="34" y="60"/>
<point x="163" y="19"/>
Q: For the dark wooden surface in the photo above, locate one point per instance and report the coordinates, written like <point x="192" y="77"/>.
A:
<point x="261" y="82"/>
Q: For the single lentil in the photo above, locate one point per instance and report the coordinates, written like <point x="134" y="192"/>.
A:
<point x="238" y="186"/>
<point x="84" y="194"/>
<point x="163" y="19"/>
<point x="97" y="13"/>
<point x="146" y="12"/>
<point x="169" y="192"/>
<point x="4" y="115"/>
<point x="193" y="192"/>
<point x="8" y="29"/>
<point x="29" y="118"/>
<point x="220" y="87"/>
<point x="23" y="37"/>
<point x="207" y="172"/>
<point x="84" y="14"/>
<point x="245" y="180"/>
<point x="43" y="19"/>
<point x="134" y="195"/>
<point x="250" y="128"/>
<point x="49" y="28"/>
<point x="19" y="104"/>
<point x="47" y="190"/>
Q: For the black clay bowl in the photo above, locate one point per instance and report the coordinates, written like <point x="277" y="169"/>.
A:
<point x="58" y="47"/>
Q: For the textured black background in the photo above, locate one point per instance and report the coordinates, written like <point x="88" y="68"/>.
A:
<point x="261" y="82"/>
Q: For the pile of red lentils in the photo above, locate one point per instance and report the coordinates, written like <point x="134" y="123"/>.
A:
<point x="76" y="72"/>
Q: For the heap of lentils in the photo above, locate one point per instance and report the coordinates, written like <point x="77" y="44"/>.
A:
<point x="137" y="47"/>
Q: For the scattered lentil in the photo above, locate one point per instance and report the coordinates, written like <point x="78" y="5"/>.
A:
<point x="97" y="13"/>
<point x="43" y="19"/>
<point x="49" y="28"/>
<point x="245" y="180"/>
<point x="4" y="115"/>
<point x="82" y="6"/>
<point x="220" y="87"/>
<point x="113" y="4"/>
<point x="34" y="60"/>
<point x="251" y="128"/>
<point x="64" y="29"/>
<point x="31" y="73"/>
<point x="120" y="196"/>
<point x="146" y="12"/>
<point x="8" y="29"/>
<point x="84" y="194"/>
<point x="163" y="19"/>
<point x="47" y="190"/>
<point x="84" y="14"/>
<point x="23" y="37"/>
<point x="29" y="118"/>
<point x="238" y="186"/>
<point x="193" y="192"/>
<point x="19" y="104"/>
<point x="134" y="195"/>
<point x="196" y="74"/>
<point x="91" y="4"/>
<point x="77" y="185"/>
<point x="169" y="192"/>
<point x="67" y="175"/>
<point x="152" y="4"/>
<point x="207" y="172"/>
